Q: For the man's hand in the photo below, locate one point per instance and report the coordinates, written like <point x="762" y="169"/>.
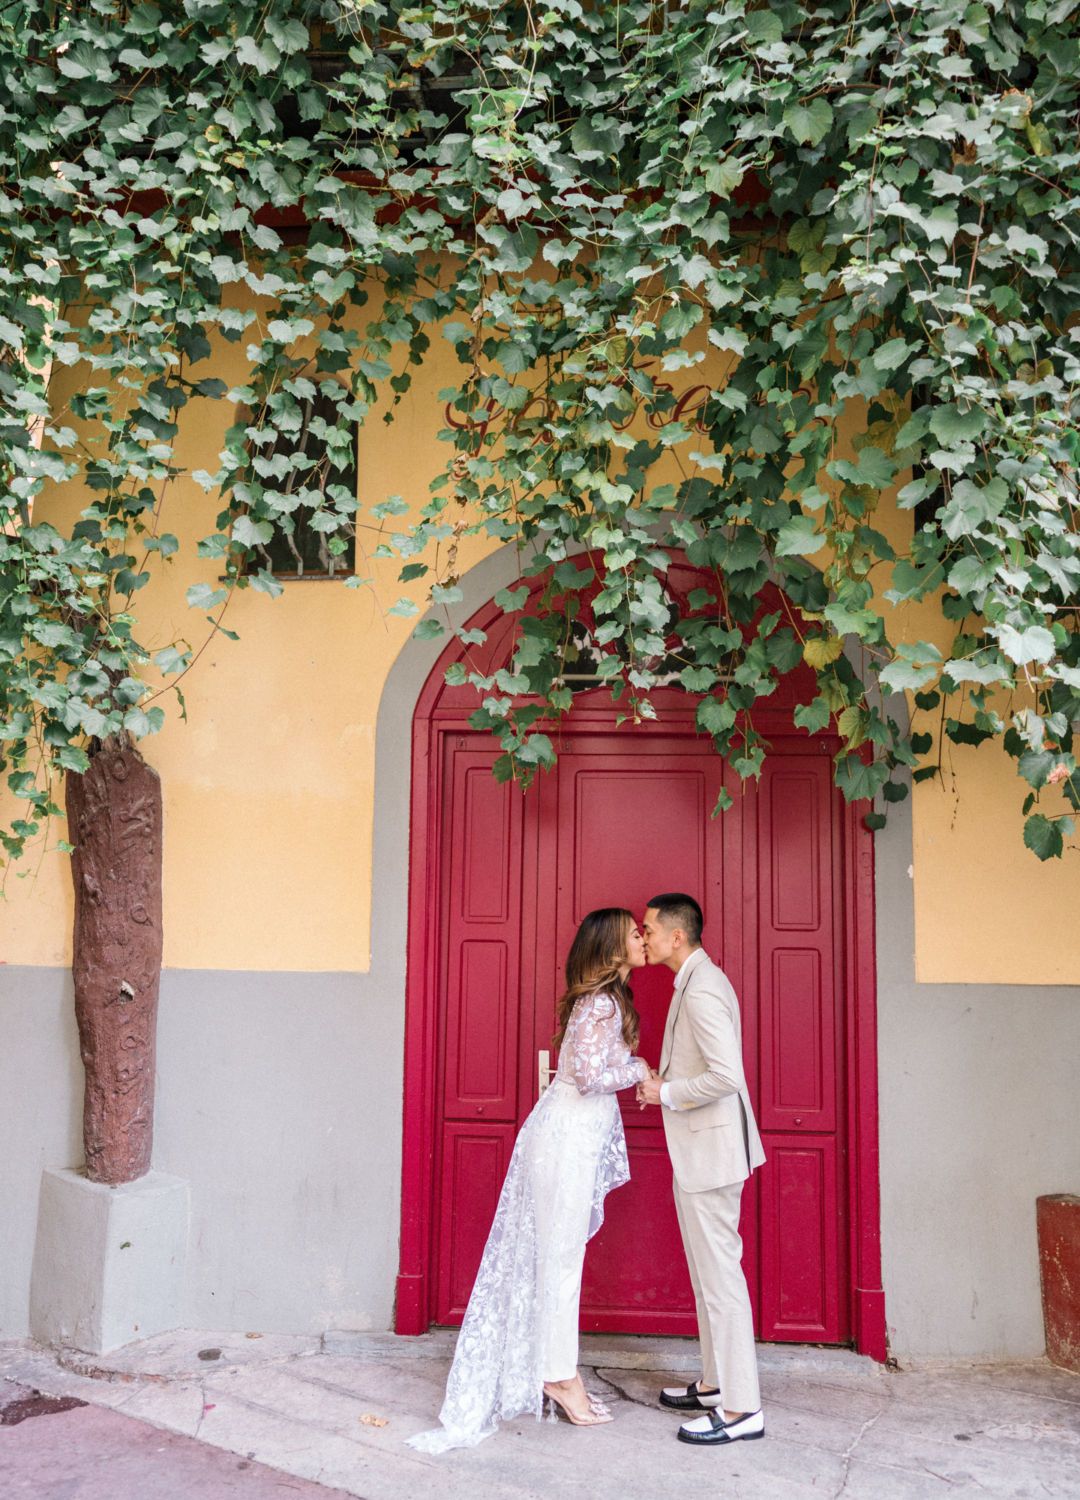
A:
<point x="648" y="1092"/>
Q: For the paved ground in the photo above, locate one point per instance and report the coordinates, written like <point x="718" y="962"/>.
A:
<point x="69" y="1450"/>
<point x="838" y="1427"/>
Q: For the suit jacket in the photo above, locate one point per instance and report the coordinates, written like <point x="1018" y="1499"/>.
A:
<point x="712" y="1137"/>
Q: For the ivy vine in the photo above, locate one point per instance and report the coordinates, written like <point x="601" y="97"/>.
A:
<point x="868" y="210"/>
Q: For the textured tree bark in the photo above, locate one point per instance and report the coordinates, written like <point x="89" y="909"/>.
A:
<point x="114" y="822"/>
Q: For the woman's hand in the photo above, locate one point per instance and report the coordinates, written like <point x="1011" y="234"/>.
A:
<point x="648" y="1091"/>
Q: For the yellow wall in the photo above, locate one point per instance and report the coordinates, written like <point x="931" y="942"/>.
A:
<point x="978" y="890"/>
<point x="975" y="882"/>
<point x="269" y="786"/>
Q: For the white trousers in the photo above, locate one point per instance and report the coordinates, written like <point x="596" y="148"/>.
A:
<point x="560" y="1334"/>
<point x="709" y="1223"/>
<point x="564" y="1160"/>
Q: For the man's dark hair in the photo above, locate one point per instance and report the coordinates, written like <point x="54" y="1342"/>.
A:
<point x="676" y="909"/>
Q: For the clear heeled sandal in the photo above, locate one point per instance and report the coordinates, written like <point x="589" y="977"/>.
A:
<point x="598" y="1412"/>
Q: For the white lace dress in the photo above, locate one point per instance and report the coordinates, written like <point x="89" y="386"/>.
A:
<point x="569" y="1155"/>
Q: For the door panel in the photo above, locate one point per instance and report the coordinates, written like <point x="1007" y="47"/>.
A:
<point x="483" y="954"/>
<point x="622" y="833"/>
<point x="800" y="998"/>
<point x="793" y="846"/>
<point x="640" y="1230"/>
<point x="795" y="1043"/>
<point x="485" y="873"/>
<point x="798" y="990"/>
<point x="475" y="1159"/>
<point x="477" y="1033"/>
<point x="481" y="1020"/>
<point x="799" y="1242"/>
<point x="628" y="827"/>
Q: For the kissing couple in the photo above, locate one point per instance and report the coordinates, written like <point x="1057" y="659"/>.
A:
<point x="518" y="1343"/>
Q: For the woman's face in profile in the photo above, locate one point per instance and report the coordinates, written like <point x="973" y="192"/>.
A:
<point x="635" y="948"/>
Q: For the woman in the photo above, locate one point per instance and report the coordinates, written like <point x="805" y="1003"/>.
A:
<point x="519" y="1340"/>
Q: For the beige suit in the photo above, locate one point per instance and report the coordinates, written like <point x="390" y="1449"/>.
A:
<point x="713" y="1142"/>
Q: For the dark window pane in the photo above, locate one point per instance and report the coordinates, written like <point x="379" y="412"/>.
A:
<point x="305" y="551"/>
<point x="926" y="511"/>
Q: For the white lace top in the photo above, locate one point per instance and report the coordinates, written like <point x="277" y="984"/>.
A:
<point x="594" y="1057"/>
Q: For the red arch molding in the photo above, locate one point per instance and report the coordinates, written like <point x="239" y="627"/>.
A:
<point x="440" y="711"/>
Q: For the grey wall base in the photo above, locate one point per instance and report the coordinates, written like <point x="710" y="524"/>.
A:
<point x="278" y="1100"/>
<point x="979" y="1114"/>
<point x="108" y="1261"/>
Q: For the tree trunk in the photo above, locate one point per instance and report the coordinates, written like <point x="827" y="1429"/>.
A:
<point x="114" y="822"/>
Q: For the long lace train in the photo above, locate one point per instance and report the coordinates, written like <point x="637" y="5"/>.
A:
<point x="569" y="1155"/>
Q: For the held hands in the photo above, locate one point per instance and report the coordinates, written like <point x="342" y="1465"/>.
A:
<point x="648" y="1092"/>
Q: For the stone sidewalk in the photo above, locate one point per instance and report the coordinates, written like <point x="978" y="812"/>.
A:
<point x="65" y="1449"/>
<point x="335" y="1411"/>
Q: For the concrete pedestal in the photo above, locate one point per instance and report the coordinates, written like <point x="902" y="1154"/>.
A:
<point x="108" y="1261"/>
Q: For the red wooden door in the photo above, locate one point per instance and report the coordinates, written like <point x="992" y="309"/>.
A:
<point x="623" y="818"/>
<point x="799" y="1021"/>
<point x="486" y="1014"/>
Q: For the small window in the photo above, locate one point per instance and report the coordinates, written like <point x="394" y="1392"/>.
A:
<point x="305" y="551"/>
<point x="926" y="510"/>
<point x="582" y="658"/>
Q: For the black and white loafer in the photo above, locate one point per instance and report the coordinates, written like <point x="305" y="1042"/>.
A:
<point x="713" y="1429"/>
<point x="689" y="1398"/>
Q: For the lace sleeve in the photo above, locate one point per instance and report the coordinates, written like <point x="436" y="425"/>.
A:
<point x="600" y="1061"/>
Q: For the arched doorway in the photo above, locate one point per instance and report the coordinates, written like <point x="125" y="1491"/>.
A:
<point x="499" y="880"/>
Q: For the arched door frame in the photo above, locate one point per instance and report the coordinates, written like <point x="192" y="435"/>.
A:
<point x="429" y="725"/>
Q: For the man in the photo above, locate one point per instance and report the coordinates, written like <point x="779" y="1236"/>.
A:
<point x="714" y="1145"/>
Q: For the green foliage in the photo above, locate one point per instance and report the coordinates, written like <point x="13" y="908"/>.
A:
<point x="868" y="204"/>
<point x="1044" y="836"/>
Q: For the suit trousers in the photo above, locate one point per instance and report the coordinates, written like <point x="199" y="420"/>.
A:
<point x="709" y="1223"/>
<point x="564" y="1156"/>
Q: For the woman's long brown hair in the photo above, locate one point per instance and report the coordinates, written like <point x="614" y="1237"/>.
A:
<point x="598" y="952"/>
